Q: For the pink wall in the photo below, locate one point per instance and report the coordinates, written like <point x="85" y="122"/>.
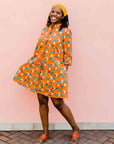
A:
<point x="91" y="77"/>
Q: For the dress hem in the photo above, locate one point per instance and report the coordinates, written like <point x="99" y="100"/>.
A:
<point x="34" y="91"/>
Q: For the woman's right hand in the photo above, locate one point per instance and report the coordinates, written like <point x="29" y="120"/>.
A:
<point x="66" y="66"/>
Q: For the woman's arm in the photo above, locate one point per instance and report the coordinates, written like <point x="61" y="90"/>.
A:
<point x="67" y="47"/>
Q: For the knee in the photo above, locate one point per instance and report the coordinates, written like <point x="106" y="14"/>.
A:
<point x="43" y="101"/>
<point x="58" y="105"/>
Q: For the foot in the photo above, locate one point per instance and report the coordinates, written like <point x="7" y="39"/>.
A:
<point x="42" y="138"/>
<point x="75" y="137"/>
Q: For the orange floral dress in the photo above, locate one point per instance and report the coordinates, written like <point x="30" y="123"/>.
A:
<point x="45" y="72"/>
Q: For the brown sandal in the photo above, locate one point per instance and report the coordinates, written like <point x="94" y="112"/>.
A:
<point x="74" y="135"/>
<point x="41" y="139"/>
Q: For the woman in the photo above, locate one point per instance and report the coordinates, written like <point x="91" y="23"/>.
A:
<point x="46" y="72"/>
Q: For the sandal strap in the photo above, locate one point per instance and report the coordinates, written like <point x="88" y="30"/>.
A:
<point x="44" y="136"/>
<point x="75" y="135"/>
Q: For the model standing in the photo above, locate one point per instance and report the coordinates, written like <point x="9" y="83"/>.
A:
<point x="46" y="72"/>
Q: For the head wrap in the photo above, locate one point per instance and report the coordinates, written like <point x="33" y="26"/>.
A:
<point x="62" y="7"/>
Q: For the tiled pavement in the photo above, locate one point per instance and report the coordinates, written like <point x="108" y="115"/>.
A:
<point x="57" y="137"/>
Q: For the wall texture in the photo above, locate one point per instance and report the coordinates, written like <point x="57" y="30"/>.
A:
<point x="91" y="76"/>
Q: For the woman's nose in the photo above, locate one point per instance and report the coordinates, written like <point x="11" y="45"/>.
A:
<point x="54" y="14"/>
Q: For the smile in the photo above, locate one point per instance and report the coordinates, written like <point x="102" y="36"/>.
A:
<point x="53" y="18"/>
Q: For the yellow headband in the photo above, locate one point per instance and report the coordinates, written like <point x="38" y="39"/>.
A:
<point x="62" y="7"/>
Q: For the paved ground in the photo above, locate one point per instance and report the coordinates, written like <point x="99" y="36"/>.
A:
<point x="58" y="137"/>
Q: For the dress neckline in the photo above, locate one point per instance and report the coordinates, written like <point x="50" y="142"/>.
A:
<point x="55" y="26"/>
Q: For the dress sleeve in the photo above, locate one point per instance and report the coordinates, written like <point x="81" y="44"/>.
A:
<point x="67" y="59"/>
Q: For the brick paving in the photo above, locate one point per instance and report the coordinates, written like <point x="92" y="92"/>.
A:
<point x="57" y="137"/>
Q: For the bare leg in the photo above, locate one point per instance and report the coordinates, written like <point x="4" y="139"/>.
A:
<point x="44" y="110"/>
<point x="66" y="112"/>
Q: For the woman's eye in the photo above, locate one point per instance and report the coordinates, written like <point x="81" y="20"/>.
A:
<point x="56" y="12"/>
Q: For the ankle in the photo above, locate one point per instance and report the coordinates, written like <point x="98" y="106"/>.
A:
<point x="76" y="129"/>
<point x="46" y="133"/>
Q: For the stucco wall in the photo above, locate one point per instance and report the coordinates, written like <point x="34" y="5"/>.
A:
<point x="91" y="76"/>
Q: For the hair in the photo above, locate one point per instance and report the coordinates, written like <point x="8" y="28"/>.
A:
<point x="64" y="22"/>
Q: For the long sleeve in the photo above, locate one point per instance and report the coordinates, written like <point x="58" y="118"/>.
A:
<point x="67" y="47"/>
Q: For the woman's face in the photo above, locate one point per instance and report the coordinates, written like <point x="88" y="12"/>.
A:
<point x="56" y="15"/>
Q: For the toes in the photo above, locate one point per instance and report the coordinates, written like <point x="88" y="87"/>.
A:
<point x="73" y="141"/>
<point x="39" y="141"/>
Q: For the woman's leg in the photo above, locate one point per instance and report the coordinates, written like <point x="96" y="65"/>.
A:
<point x="66" y="112"/>
<point x="44" y="110"/>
